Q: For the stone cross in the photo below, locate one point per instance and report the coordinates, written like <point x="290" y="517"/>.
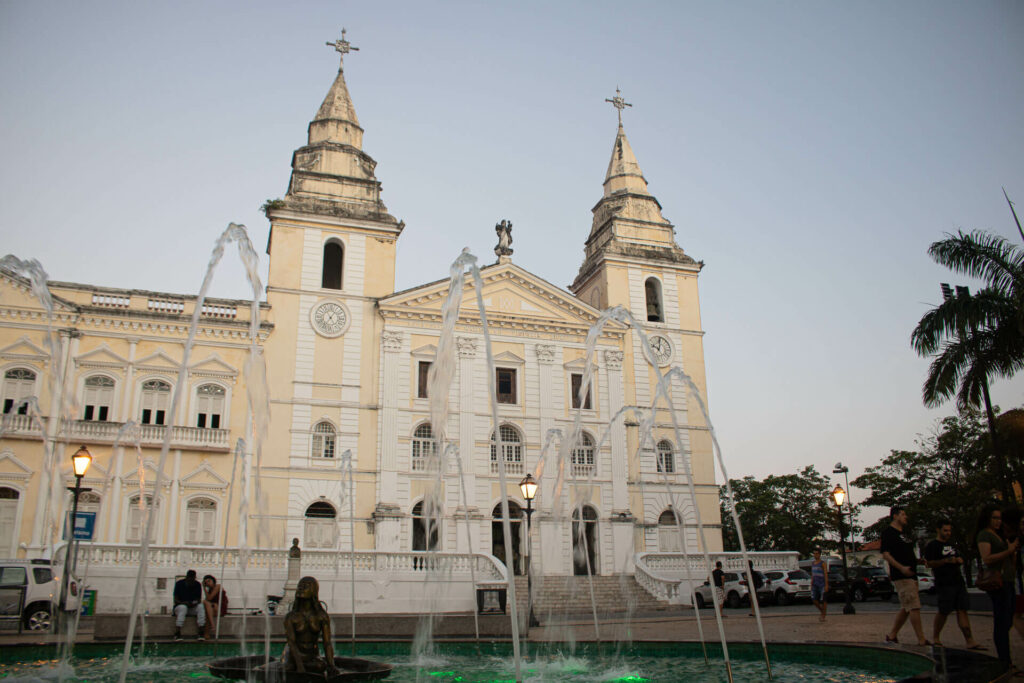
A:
<point x="344" y="47"/>
<point x="618" y="102"/>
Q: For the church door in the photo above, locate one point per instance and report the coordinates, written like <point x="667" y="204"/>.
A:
<point x="584" y="541"/>
<point x="515" y="514"/>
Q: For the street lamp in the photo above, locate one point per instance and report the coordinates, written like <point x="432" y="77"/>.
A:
<point x="842" y="469"/>
<point x="839" y="495"/>
<point x="80" y="461"/>
<point x="529" y="489"/>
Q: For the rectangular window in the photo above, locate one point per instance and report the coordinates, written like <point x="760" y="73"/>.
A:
<point x="506" y="385"/>
<point x="576" y="380"/>
<point x="421" y="384"/>
<point x="93" y="412"/>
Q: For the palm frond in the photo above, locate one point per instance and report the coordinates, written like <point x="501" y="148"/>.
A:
<point x="984" y="256"/>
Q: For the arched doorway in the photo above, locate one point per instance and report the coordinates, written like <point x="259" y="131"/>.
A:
<point x="668" y="532"/>
<point x="584" y="541"/>
<point x="515" y="520"/>
<point x="320" y="529"/>
<point x="426" y="521"/>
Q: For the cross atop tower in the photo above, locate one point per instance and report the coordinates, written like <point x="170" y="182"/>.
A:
<point x="344" y="47"/>
<point x="618" y="102"/>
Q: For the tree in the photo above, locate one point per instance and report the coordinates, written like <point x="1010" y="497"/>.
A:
<point x="781" y="512"/>
<point x="947" y="477"/>
<point x="974" y="338"/>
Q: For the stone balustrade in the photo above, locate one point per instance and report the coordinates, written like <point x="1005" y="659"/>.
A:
<point x="192" y="438"/>
<point x="670" y="576"/>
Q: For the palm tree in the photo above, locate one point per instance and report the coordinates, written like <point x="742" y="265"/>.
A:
<point x="975" y="338"/>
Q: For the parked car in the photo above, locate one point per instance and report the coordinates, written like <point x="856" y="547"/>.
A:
<point x="764" y="593"/>
<point x="925" y="583"/>
<point x="735" y="591"/>
<point x="870" y="582"/>
<point x="787" y="586"/>
<point x="41" y="587"/>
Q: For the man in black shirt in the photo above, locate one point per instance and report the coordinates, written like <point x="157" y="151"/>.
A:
<point x="188" y="598"/>
<point x="941" y="555"/>
<point x="718" y="580"/>
<point x="903" y="572"/>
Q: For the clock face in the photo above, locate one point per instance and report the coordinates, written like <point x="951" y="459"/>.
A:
<point x="662" y="349"/>
<point x="329" y="318"/>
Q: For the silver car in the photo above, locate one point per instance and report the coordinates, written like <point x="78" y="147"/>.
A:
<point x="787" y="586"/>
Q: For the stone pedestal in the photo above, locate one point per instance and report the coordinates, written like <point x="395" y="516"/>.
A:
<point x="294" y="574"/>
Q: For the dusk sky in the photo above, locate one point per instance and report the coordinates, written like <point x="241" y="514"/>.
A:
<point x="807" y="152"/>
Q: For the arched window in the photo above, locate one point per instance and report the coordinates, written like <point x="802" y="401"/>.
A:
<point x="209" y="406"/>
<point x="668" y="532"/>
<point x="156" y="395"/>
<point x="583" y="456"/>
<point x="98" y="398"/>
<point x="9" y="499"/>
<point x="334" y="261"/>
<point x="426" y="524"/>
<point x="584" y="541"/>
<point x="321" y="526"/>
<point x="511" y="449"/>
<point x="19" y="384"/>
<point x="424" y="448"/>
<point x="137" y="516"/>
<point x="323" y="440"/>
<point x="652" y="292"/>
<point x="666" y="457"/>
<point x="200" y="521"/>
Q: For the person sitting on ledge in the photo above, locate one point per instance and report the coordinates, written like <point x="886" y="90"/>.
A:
<point x="304" y="626"/>
<point x="215" y="604"/>
<point x="188" y="597"/>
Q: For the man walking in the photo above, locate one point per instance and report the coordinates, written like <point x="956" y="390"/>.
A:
<point x="819" y="583"/>
<point x="718" y="581"/>
<point x="903" y="572"/>
<point x="941" y="556"/>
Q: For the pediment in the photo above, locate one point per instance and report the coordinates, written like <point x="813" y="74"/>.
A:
<point x="507" y="357"/>
<point x="427" y="351"/>
<point x="149" y="475"/>
<point x="16" y="291"/>
<point x="13" y="469"/>
<point x="24" y="349"/>
<point x="159" y="362"/>
<point x="102" y="356"/>
<point x="95" y="475"/>
<point x="213" y="366"/>
<point x="579" y="365"/>
<point x="204" y="477"/>
<point x="511" y="296"/>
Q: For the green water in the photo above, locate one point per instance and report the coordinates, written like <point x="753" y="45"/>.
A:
<point x="463" y="662"/>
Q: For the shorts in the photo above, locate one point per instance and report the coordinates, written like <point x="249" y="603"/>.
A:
<point x="952" y="598"/>
<point x="818" y="592"/>
<point x="719" y="595"/>
<point x="907" y="590"/>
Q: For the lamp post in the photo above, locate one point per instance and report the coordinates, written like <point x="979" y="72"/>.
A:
<point x="842" y="469"/>
<point x="839" y="495"/>
<point x="80" y="461"/>
<point x="528" y="487"/>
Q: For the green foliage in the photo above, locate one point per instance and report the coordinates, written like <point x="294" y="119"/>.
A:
<point x="271" y="204"/>
<point x="781" y="512"/>
<point x="949" y="475"/>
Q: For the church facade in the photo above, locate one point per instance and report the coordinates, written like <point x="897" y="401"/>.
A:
<point x="351" y="457"/>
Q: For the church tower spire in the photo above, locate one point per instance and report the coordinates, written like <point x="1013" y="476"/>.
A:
<point x="627" y="228"/>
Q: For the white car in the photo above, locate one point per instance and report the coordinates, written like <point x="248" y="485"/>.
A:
<point x="789" y="585"/>
<point x="925" y="583"/>
<point x="41" y="589"/>
<point x="735" y="592"/>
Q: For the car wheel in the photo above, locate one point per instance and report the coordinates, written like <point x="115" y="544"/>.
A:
<point x="782" y="597"/>
<point x="700" y="601"/>
<point x="37" y="618"/>
<point x="859" y="595"/>
<point x="734" y="600"/>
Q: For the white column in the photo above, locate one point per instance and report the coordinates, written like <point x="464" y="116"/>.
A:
<point x="390" y="393"/>
<point x="466" y="347"/>
<point x="621" y="518"/>
<point x="172" y="535"/>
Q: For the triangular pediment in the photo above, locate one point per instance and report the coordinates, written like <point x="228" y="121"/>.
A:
<point x="427" y="351"/>
<point x="102" y="356"/>
<point x="511" y="295"/>
<point x="13" y="469"/>
<point x="508" y="357"/>
<point x="96" y="475"/>
<point x="578" y="365"/>
<point x="24" y="349"/>
<point x="133" y="479"/>
<point x="158" y="361"/>
<point x="213" y="366"/>
<point x="204" y="477"/>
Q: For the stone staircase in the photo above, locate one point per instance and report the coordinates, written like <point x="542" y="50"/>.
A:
<point x="557" y="597"/>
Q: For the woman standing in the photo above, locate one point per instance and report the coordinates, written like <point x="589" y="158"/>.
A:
<point x="997" y="555"/>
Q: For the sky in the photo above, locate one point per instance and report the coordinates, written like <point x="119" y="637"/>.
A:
<point x="807" y="152"/>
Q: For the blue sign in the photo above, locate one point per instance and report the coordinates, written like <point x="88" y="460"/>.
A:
<point x="85" y="526"/>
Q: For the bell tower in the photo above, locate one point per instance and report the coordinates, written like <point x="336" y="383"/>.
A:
<point x="332" y="255"/>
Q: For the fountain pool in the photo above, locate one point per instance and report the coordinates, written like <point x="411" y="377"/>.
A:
<point x="467" y="662"/>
